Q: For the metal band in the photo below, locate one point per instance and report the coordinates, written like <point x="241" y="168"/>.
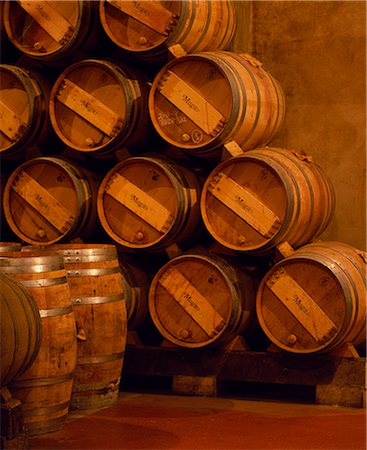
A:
<point x="45" y="411"/>
<point x="106" y="385"/>
<point x="97" y="300"/>
<point x="53" y="312"/>
<point x="93" y="272"/>
<point x="39" y="382"/>
<point x="29" y="266"/>
<point x="44" y="282"/>
<point x="100" y="359"/>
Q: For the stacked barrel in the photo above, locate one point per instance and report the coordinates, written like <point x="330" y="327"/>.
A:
<point x="135" y="161"/>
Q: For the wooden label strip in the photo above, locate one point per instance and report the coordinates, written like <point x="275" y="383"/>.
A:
<point x="191" y="103"/>
<point x="243" y="203"/>
<point x="139" y="202"/>
<point x="192" y="301"/>
<point x="149" y="13"/>
<point x="10" y="123"/>
<point x="90" y="108"/>
<point x="308" y="313"/>
<point x="48" y="18"/>
<point x="42" y="201"/>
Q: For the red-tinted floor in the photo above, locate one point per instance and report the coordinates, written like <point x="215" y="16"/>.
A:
<point x="151" y="421"/>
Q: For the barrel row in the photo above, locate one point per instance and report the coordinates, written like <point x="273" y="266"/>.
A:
<point x="248" y="204"/>
<point x="196" y="103"/>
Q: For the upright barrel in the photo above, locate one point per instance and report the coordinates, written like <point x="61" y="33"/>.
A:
<point x="24" y="123"/>
<point x="20" y="329"/>
<point x="201" y="102"/>
<point x="146" y="30"/>
<point x="45" y="387"/>
<point x="97" y="295"/>
<point x="253" y="202"/>
<point x="314" y="300"/>
<point x="148" y="203"/>
<point x="202" y="300"/>
<point x="48" y="199"/>
<point x="98" y="106"/>
<point x="51" y="31"/>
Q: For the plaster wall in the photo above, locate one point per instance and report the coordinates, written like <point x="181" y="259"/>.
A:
<point x="317" y="51"/>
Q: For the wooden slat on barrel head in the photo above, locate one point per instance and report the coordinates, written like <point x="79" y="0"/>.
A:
<point x="42" y="201"/>
<point x="149" y="13"/>
<point x="139" y="202"/>
<point x="305" y="310"/>
<point x="191" y="103"/>
<point x="48" y="18"/>
<point x="89" y="107"/>
<point x="193" y="302"/>
<point x="10" y="123"/>
<point x="246" y="205"/>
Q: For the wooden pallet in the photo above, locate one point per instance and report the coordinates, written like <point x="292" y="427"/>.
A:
<point x="336" y="380"/>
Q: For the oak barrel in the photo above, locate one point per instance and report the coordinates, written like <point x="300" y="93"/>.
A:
<point x="51" y="31"/>
<point x="45" y="387"/>
<point x="255" y="201"/>
<point x="24" y="97"/>
<point x="97" y="294"/>
<point x="147" y="30"/>
<point x="314" y="300"/>
<point x="201" y="102"/>
<point x="10" y="246"/>
<point x="48" y="199"/>
<point x="98" y="106"/>
<point x="20" y="329"/>
<point x="199" y="299"/>
<point x="149" y="203"/>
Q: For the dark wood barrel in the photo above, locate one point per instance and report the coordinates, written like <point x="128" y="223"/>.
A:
<point x="148" y="30"/>
<point x="314" y="300"/>
<point x="24" y="121"/>
<point x="47" y="199"/>
<point x="201" y="102"/>
<point x="253" y="202"/>
<point x="202" y="300"/>
<point x="20" y="329"/>
<point x="149" y="203"/>
<point x="98" y="106"/>
<point x="45" y="387"/>
<point x="52" y="31"/>
<point x="97" y="294"/>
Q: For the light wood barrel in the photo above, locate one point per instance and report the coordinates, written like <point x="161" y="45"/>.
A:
<point x="97" y="107"/>
<point x="202" y="300"/>
<point x="201" y="102"/>
<point x="148" y="203"/>
<point x="47" y="199"/>
<point x="146" y="30"/>
<point x="10" y="246"/>
<point x="253" y="202"/>
<point x="315" y="300"/>
<point x="50" y="31"/>
<point x="45" y="387"/>
<point x="24" y="123"/>
<point x="20" y="329"/>
<point x="97" y="294"/>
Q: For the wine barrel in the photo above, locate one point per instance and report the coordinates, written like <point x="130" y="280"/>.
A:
<point x="10" y="246"/>
<point x="201" y="102"/>
<point x="47" y="199"/>
<point x="51" y="31"/>
<point x="202" y="300"/>
<point x="253" y="202"/>
<point x="20" y="329"/>
<point x="97" y="107"/>
<point x="97" y="294"/>
<point x="148" y="30"/>
<point x="24" y="97"/>
<point x="149" y="202"/>
<point x="314" y="300"/>
<point x="45" y="387"/>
